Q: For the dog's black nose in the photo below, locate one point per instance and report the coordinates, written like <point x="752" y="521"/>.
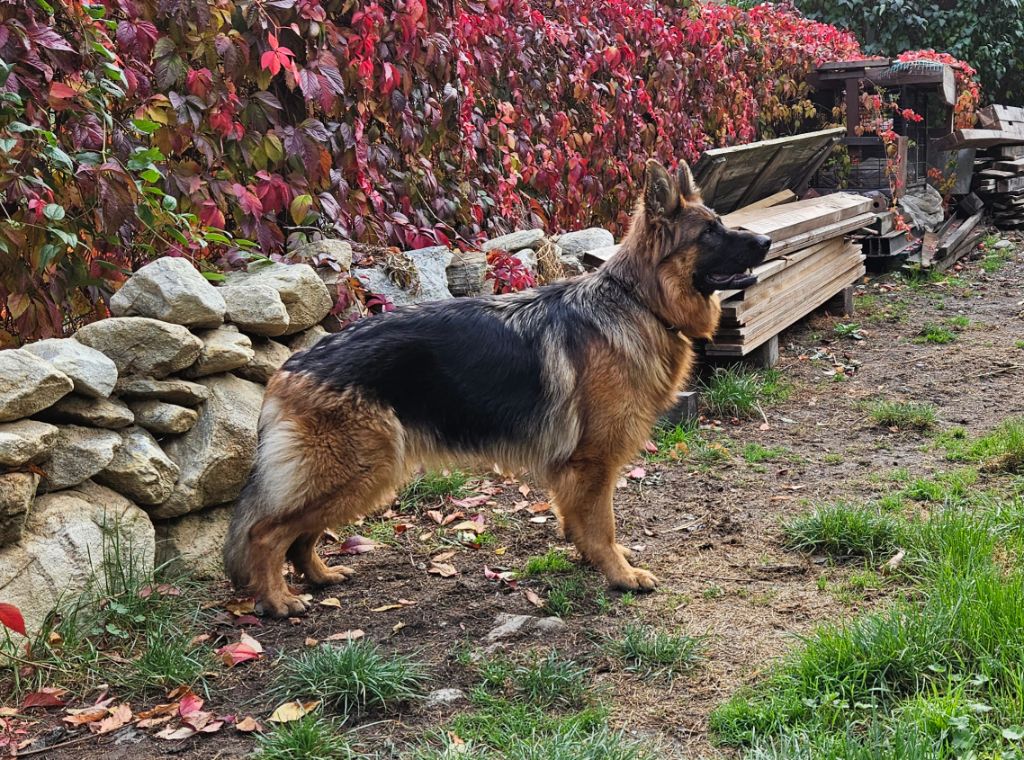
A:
<point x="764" y="242"/>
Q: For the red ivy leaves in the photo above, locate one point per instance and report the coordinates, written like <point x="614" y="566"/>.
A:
<point x="10" y="617"/>
<point x="277" y="58"/>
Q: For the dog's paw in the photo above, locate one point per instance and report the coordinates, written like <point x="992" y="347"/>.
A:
<point x="331" y="575"/>
<point x="625" y="551"/>
<point x="282" y="606"/>
<point x="634" y="579"/>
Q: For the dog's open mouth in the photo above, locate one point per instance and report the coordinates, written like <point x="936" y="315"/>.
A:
<point x="737" y="281"/>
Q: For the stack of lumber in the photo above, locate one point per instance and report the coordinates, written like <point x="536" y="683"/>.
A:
<point x="999" y="180"/>
<point x="1000" y="125"/>
<point x="810" y="261"/>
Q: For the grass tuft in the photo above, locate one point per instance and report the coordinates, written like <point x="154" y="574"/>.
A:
<point x="849" y="330"/>
<point x="548" y="681"/>
<point x="433" y="488"/>
<point x="555" y="561"/>
<point x="756" y="453"/>
<point x="932" y="333"/>
<point x="687" y="441"/>
<point x="312" y="737"/>
<point x="846" y="532"/>
<point x="1001" y="450"/>
<point x="906" y="415"/>
<point x="653" y="653"/>
<point x="350" y="679"/>
<point x="742" y="392"/>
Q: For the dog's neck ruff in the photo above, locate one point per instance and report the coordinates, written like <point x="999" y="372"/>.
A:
<point x="630" y="290"/>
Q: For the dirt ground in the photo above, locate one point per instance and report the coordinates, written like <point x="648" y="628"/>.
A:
<point x="711" y="534"/>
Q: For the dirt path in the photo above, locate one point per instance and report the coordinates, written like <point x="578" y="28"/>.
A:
<point x="711" y="534"/>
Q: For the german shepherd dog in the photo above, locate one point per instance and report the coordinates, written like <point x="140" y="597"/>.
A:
<point x="565" y="380"/>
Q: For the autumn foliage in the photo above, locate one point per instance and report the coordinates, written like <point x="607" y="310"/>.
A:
<point x="132" y="128"/>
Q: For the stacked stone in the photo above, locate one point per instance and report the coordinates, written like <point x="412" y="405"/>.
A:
<point x="146" y="422"/>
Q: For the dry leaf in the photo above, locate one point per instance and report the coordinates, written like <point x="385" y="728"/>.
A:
<point x="533" y="598"/>
<point x="290" y="711"/>
<point x="247" y="648"/>
<point x="241" y="606"/>
<point x="540" y="506"/>
<point x="539" y="519"/>
<point x="443" y="569"/>
<point x="119" y="716"/>
<point x="311" y="642"/>
<point x="471" y="502"/>
<point x="48" y="696"/>
<point x="444" y="556"/>
<point x="524" y="489"/>
<point x="331" y="601"/>
<point x="248" y="724"/>
<point x="386" y="607"/>
<point x="435" y="515"/>
<point x="86" y="715"/>
<point x="500" y="551"/>
<point x="174" y="734"/>
<point x="397" y="627"/>
<point x="469" y="525"/>
<point x="355" y="633"/>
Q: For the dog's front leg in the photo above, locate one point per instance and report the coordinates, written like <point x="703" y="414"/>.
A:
<point x="583" y="497"/>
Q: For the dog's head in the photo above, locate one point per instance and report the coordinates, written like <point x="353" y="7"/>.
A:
<point x="695" y="243"/>
<point x="680" y="253"/>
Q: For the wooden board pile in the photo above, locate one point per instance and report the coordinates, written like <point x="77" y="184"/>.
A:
<point x="999" y="171"/>
<point x="809" y="262"/>
<point x="999" y="125"/>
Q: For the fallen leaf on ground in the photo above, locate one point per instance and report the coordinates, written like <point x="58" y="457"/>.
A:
<point x="163" y="589"/>
<point x="386" y="607"/>
<point x="352" y="635"/>
<point x="48" y="696"/>
<point x="500" y="551"/>
<point x="524" y="489"/>
<point x="355" y="545"/>
<point x="443" y="569"/>
<point x="248" y="724"/>
<point x="245" y="649"/>
<point x="540" y="506"/>
<point x="311" y="642"/>
<point x="174" y="734"/>
<point x="539" y="519"/>
<point x="189" y="704"/>
<point x="533" y="598"/>
<point x="331" y="601"/>
<point x="505" y="576"/>
<point x="241" y="606"/>
<point x="443" y="556"/>
<point x="471" y="502"/>
<point x="290" y="711"/>
<point x="397" y="627"/>
<point x="637" y="473"/>
<point x="119" y="716"/>
<point x="469" y="525"/>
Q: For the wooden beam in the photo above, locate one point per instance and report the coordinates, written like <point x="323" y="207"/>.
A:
<point x="754" y="188"/>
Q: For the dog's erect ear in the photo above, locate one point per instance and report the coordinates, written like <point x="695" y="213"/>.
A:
<point x="661" y="194"/>
<point x="687" y="187"/>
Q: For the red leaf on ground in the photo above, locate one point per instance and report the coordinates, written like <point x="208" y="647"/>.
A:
<point x="471" y="502"/>
<point x="355" y="545"/>
<point x="48" y="696"/>
<point x="637" y="473"/>
<point x="189" y="704"/>
<point x="10" y="617"/>
<point x="247" y="648"/>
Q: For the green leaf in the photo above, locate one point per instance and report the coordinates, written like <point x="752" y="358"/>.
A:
<point x="145" y="126"/>
<point x="214" y="276"/>
<point x="69" y="239"/>
<point x="18" y="127"/>
<point x="59" y="157"/>
<point x="54" y="212"/>
<point x="151" y="175"/>
<point x="7" y="144"/>
<point x="169" y="203"/>
<point x="216" y="237"/>
<point x="300" y="207"/>
<point x="1013" y="733"/>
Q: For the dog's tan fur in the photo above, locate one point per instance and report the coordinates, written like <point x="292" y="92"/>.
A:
<point x="328" y="457"/>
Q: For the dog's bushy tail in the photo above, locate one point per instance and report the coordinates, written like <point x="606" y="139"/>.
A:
<point x="249" y="507"/>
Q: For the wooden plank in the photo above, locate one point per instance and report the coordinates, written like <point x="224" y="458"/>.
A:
<point x="831" y="231"/>
<point x="951" y="241"/>
<point x="979" y="138"/>
<point x="745" y="161"/>
<point x="801" y="308"/>
<point x="754" y="188"/>
<point x="1016" y="166"/>
<point x="858" y="63"/>
<point x="794" y="219"/>
<point x="775" y="199"/>
<point x="771" y="268"/>
<point x="764" y="298"/>
<point x="996" y="116"/>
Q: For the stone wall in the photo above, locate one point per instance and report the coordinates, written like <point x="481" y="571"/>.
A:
<point x="145" y="422"/>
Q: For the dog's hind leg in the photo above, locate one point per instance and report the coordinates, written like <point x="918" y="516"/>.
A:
<point x="302" y="554"/>
<point x="583" y="497"/>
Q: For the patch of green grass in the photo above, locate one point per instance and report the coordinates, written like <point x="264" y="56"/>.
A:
<point x="653" y="653"/>
<point x="310" y="738"/>
<point x="713" y="591"/>
<point x="501" y="729"/>
<point x="1000" y="450"/>
<point x="548" y="681"/>
<point x="148" y="621"/>
<point x="932" y="333"/>
<point x="755" y="452"/>
<point x="433" y="488"/>
<point x="943" y="487"/>
<point x="936" y="674"/>
<point x="995" y="260"/>
<point x="687" y="442"/>
<point x="848" y="330"/>
<point x="1019" y="344"/>
<point x="555" y="561"/>
<point x="350" y="679"/>
<point x="741" y="391"/>
<point x="567" y="595"/>
<point x="844" y="532"/>
<point x="905" y="415"/>
<point x="833" y="459"/>
<point x="960" y="322"/>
